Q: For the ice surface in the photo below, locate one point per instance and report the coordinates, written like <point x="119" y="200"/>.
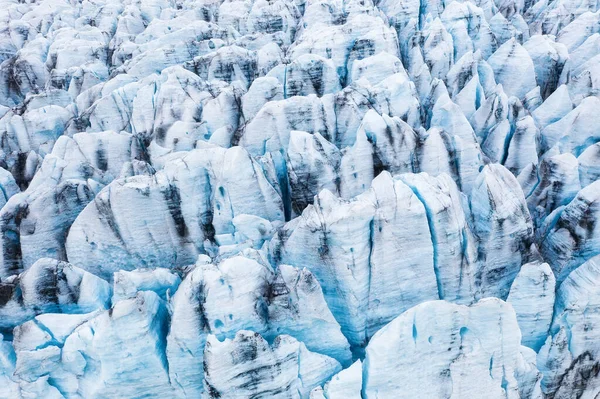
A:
<point x="247" y="366"/>
<point x="439" y="349"/>
<point x="532" y="297"/>
<point x="242" y="293"/>
<point x="51" y="286"/>
<point x="326" y="199"/>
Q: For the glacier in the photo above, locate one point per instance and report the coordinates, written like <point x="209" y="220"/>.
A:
<point x="311" y="199"/>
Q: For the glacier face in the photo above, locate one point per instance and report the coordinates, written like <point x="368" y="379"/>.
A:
<point x="313" y="199"/>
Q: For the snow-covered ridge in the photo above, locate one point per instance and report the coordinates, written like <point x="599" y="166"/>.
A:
<point x="324" y="199"/>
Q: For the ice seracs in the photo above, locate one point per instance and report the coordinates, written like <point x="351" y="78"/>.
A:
<point x="353" y="242"/>
<point x="425" y="351"/>
<point x="570" y="238"/>
<point x="50" y="286"/>
<point x="311" y="198"/>
<point x="503" y="226"/>
<point x="104" y="239"/>
<point x="248" y="365"/>
<point x="66" y="354"/>
<point x="402" y="268"/>
<point x="126" y="284"/>
<point x="240" y="293"/>
<point x="579" y="123"/>
<point x="535" y="284"/>
<point x="454" y="250"/>
<point x="513" y="69"/>
<point x="568" y="359"/>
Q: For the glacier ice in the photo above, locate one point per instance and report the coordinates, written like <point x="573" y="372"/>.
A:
<point x="346" y="384"/>
<point x="50" y="286"/>
<point x="477" y="351"/>
<point x="532" y="296"/>
<point x="244" y="293"/>
<point x="325" y="199"/>
<point x="248" y="366"/>
<point x="503" y="226"/>
<point x="569" y="355"/>
<point x="161" y="281"/>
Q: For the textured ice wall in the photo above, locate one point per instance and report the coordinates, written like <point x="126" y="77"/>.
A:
<point x="317" y="199"/>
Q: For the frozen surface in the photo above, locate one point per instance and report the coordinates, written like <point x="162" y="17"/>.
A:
<point x="320" y="199"/>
